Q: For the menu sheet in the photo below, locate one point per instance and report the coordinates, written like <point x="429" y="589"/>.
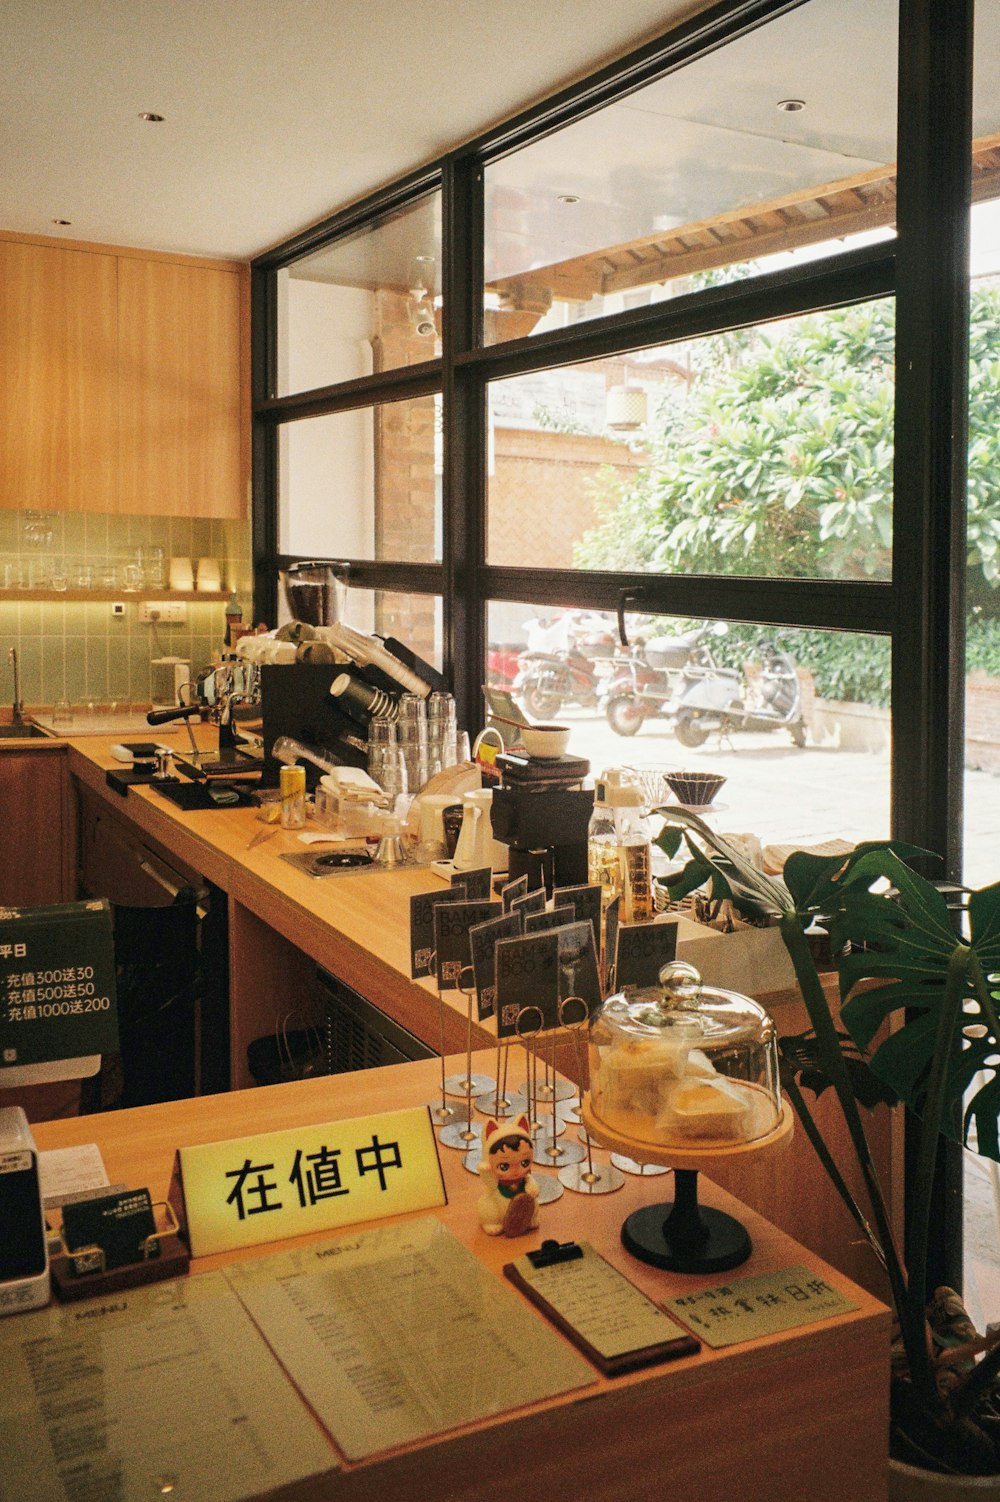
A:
<point x="395" y="1334"/>
<point x="166" y="1389"/>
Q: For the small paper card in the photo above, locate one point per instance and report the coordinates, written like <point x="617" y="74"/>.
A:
<point x="527" y="972"/>
<point x="117" y="1223"/>
<point x="478" y="884"/>
<point x="452" y="923"/>
<point x="482" y="944"/>
<point x="751" y="1307"/>
<point x="586" y="903"/>
<point x="553" y="917"/>
<point x="643" y="949"/>
<point x="512" y="891"/>
<point x="531" y="902"/>
<point x="251" y="1190"/>
<point x="422" y="927"/>
<point x="578" y="973"/>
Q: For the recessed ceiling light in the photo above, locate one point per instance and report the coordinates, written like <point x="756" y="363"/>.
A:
<point x="569" y="198"/>
<point x="149" y="116"/>
<point x="791" y="106"/>
<point x="62" y="221"/>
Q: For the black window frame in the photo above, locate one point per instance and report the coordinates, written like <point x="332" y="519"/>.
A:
<point x="921" y="609"/>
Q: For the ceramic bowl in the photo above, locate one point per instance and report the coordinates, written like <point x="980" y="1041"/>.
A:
<point x="545" y="741"/>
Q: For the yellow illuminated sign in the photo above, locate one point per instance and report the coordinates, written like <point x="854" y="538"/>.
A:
<point x="250" y="1190"/>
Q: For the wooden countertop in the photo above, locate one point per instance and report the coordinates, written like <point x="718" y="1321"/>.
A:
<point x="800" y="1414"/>
<point x="355" y="926"/>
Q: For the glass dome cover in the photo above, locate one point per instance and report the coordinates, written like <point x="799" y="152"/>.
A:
<point x="684" y="1065"/>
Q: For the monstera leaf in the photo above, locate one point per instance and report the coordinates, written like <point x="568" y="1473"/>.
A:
<point x="941" y="987"/>
<point x="801" y="1060"/>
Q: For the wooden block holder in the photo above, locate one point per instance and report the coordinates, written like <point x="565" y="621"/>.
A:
<point x="173" y="1261"/>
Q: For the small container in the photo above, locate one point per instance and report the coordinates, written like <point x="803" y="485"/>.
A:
<point x="292" y="781"/>
<point x="684" y="1065"/>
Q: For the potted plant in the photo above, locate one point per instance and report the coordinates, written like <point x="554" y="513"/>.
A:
<point x="934" y="972"/>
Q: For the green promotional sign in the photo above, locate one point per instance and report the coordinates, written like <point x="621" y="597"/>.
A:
<point x="57" y="983"/>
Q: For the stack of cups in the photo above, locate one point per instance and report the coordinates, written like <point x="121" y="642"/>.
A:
<point x="412" y="727"/>
<point x="440" y="732"/>
<point x="386" y="762"/>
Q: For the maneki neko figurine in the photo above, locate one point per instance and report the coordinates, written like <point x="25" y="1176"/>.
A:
<point x="508" y="1205"/>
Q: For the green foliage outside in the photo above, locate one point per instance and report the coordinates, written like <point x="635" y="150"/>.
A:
<point x="775" y="460"/>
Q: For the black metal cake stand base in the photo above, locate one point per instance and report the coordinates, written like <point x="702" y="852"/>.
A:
<point x="686" y="1237"/>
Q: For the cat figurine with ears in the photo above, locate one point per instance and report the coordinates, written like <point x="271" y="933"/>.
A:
<point x="508" y="1205"/>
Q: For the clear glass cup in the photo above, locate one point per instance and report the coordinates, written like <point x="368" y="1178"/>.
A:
<point x="107" y="576"/>
<point x="60" y="578"/>
<point x="155" y="567"/>
<point x="133" y="576"/>
<point x="82" y="576"/>
<point x="62" y="713"/>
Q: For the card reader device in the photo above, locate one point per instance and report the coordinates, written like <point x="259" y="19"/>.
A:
<point x="24" y="1251"/>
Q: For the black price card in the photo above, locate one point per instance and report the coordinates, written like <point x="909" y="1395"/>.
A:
<point x="513" y="890"/>
<point x="422" y="927"/>
<point x="57" y="983"/>
<point x="586" y="903"/>
<point x="643" y="949"/>
<point x="482" y="944"/>
<point x="117" y="1223"/>
<point x="527" y="973"/>
<point x="478" y="884"/>
<point x="531" y="902"/>
<point x="578" y="972"/>
<point x="452" y="922"/>
<point x="553" y="917"/>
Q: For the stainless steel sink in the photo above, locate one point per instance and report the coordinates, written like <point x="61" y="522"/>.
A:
<point x="22" y="733"/>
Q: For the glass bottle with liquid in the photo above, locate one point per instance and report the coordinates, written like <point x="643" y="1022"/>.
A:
<point x="619" y="847"/>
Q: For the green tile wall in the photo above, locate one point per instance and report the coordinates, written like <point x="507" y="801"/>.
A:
<point x="77" y="650"/>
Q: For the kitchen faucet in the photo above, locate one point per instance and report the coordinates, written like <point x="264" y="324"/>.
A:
<point x="17" y="714"/>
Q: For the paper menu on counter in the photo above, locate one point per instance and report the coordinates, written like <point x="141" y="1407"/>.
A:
<point x="399" y="1333"/>
<point x="163" y="1388"/>
<point x="598" y="1308"/>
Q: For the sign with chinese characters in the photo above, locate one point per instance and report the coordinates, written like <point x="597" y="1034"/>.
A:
<point x="751" y="1307"/>
<point x="251" y="1190"/>
<point x="57" y="983"/>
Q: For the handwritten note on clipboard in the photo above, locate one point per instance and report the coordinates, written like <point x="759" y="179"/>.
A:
<point x="611" y="1321"/>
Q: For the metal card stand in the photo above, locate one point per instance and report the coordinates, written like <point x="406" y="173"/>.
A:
<point x="556" y="1154"/>
<point x="468" y="1084"/>
<point x="586" y="1177"/>
<point x="497" y="1102"/>
<point x="629" y="1165"/>
<point x="442" y="1111"/>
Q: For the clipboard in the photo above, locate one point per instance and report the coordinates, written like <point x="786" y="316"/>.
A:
<point x="601" y="1312"/>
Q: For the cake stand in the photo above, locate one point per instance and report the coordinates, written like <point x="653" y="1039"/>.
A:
<point x="685" y="1236"/>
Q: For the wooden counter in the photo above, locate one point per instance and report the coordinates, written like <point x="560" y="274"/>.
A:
<point x="795" y="1416"/>
<point x="282" y="923"/>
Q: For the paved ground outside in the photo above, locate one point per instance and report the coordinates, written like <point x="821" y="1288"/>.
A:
<point x="790" y="796"/>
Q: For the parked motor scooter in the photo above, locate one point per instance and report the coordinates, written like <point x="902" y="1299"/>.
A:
<point x="720" y="699"/>
<point x="563" y="664"/>
<point x="647" y="675"/>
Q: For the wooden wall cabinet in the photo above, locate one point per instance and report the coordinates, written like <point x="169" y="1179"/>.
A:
<point x="123" y="381"/>
<point x="38" y="840"/>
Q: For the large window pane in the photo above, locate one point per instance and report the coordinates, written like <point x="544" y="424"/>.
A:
<point x="835" y="787"/>
<point x="414" y="620"/>
<point x="781" y="143"/>
<point x="363" y="484"/>
<point x="766" y="453"/>
<point x="369" y="302"/>
<point x="982" y="690"/>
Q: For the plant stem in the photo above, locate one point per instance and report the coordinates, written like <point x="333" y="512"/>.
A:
<point x="911" y="1321"/>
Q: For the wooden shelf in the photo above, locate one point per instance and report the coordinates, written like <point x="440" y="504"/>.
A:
<point x="195" y="596"/>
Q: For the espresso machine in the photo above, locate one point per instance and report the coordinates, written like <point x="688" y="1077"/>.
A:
<point x="541" y="812"/>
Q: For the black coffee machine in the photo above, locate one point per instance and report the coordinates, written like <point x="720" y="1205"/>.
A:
<point x="542" y="813"/>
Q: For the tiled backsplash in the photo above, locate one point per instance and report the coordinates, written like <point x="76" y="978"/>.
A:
<point x="77" y="649"/>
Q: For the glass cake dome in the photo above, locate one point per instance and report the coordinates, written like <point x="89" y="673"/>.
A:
<point x="683" y="1065"/>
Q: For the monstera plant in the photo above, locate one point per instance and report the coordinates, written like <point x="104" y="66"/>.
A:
<point x="929" y="962"/>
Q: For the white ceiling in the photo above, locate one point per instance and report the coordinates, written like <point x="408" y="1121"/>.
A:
<point x="277" y="112"/>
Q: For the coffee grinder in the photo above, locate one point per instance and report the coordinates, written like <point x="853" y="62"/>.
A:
<point x="541" y="812"/>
